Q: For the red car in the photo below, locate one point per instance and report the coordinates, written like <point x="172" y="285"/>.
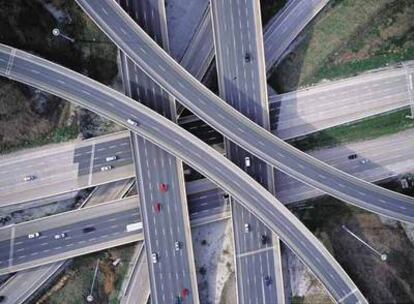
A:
<point x="163" y="187"/>
<point x="156" y="207"/>
<point x="184" y="293"/>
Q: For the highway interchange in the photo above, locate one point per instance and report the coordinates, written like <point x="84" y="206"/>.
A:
<point x="236" y="127"/>
<point x="28" y="69"/>
<point x="37" y="73"/>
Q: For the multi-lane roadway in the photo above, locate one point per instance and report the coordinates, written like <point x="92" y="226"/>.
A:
<point x="165" y="214"/>
<point x="63" y="169"/>
<point x="241" y="77"/>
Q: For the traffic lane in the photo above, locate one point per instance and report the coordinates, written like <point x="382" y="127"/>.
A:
<point x="214" y="206"/>
<point x="289" y="111"/>
<point x="242" y="94"/>
<point x="24" y="242"/>
<point x="158" y="239"/>
<point x="150" y="94"/>
<point x="5" y="60"/>
<point x="294" y="17"/>
<point x="205" y="201"/>
<point x="66" y="180"/>
<point x="63" y="171"/>
<point x="323" y="95"/>
<point x="378" y="157"/>
<point x="108" y="227"/>
<point x="61" y="159"/>
<point x="255" y="261"/>
<point x="195" y="159"/>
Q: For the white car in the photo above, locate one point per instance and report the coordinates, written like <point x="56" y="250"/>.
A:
<point x="132" y="122"/>
<point x="29" y="178"/>
<point x="111" y="158"/>
<point x="247" y="162"/>
<point x="33" y="235"/>
<point x="60" y="236"/>
<point x="154" y="257"/>
<point x="364" y="161"/>
<point x="177" y="245"/>
<point x="246" y="228"/>
<point x="106" y="168"/>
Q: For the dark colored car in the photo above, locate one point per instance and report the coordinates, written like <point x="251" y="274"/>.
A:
<point x="352" y="156"/>
<point x="2" y="299"/>
<point x="247" y="57"/>
<point x="267" y="280"/>
<point x="88" y="229"/>
<point x="263" y="239"/>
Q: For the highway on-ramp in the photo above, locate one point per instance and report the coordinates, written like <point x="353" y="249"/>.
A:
<point x="113" y="105"/>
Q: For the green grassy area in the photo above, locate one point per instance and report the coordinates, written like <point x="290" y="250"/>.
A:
<point x="346" y="38"/>
<point x="57" y="135"/>
<point x="374" y="127"/>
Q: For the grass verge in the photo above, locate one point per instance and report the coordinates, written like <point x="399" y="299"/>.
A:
<point x="346" y="38"/>
<point x="60" y="134"/>
<point x="370" y="128"/>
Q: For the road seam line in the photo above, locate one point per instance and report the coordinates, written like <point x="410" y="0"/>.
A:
<point x="91" y="164"/>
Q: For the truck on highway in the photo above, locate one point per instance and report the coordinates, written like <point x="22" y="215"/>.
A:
<point x="133" y="227"/>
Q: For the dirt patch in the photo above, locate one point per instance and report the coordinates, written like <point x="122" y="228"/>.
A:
<point x="78" y="278"/>
<point x="229" y="291"/>
<point x="213" y="248"/>
<point x="304" y="285"/>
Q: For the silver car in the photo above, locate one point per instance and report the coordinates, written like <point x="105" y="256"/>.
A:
<point x="33" y="235"/>
<point x="154" y="257"/>
<point x="29" y="178"/>
<point x="111" y="158"/>
<point x="60" y="236"/>
<point x="106" y="168"/>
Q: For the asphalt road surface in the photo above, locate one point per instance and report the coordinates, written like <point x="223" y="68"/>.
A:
<point x="242" y="84"/>
<point x="175" y="269"/>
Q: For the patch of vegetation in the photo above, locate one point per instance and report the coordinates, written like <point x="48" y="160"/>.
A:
<point x="28" y="25"/>
<point x="393" y="279"/>
<point x="80" y="273"/>
<point x="297" y="300"/>
<point x="270" y="8"/>
<point x="370" y="128"/>
<point x="349" y="37"/>
<point x="57" y="135"/>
